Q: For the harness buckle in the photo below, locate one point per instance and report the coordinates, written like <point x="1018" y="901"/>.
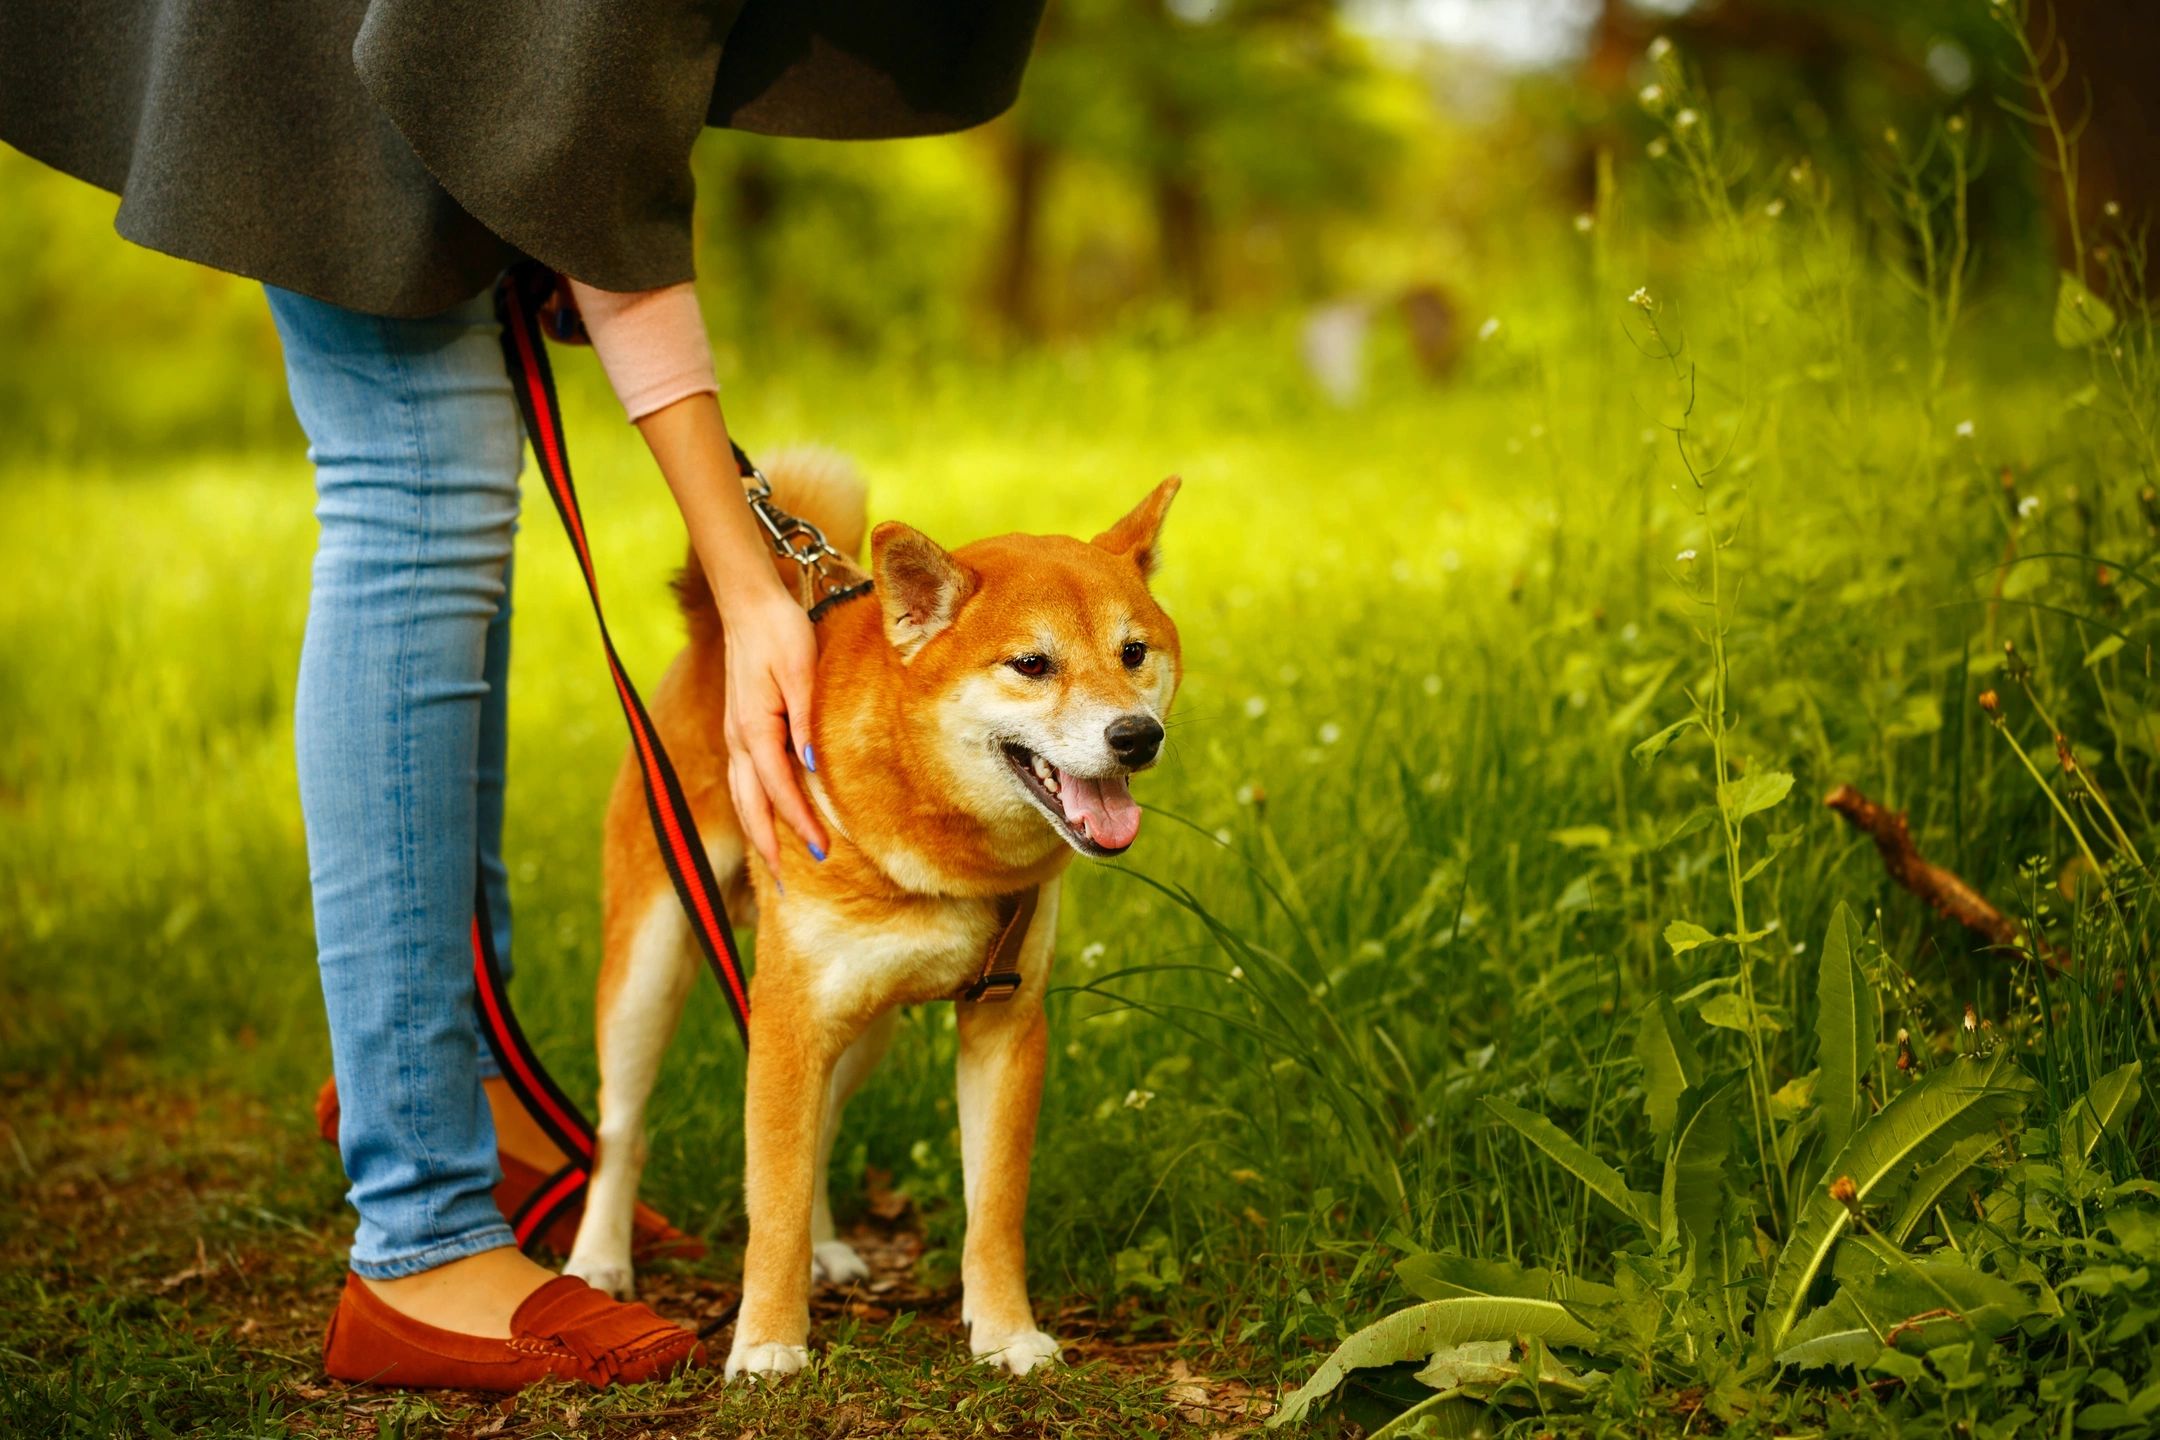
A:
<point x="993" y="987"/>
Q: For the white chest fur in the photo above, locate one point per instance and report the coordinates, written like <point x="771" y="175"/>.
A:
<point x="865" y="957"/>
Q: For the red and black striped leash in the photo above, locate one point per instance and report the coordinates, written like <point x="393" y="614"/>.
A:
<point x="519" y="298"/>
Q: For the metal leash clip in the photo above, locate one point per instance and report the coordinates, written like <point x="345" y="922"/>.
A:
<point x="794" y="538"/>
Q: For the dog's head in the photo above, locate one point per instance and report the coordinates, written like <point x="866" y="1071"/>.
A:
<point x="1040" y="669"/>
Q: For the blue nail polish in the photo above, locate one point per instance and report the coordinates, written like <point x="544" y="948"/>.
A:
<point x="816" y="853"/>
<point x="809" y="758"/>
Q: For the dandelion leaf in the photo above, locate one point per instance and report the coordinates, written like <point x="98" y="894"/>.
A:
<point x="1669" y="1062"/>
<point x="1420" y="1330"/>
<point x="1962" y="1099"/>
<point x="1845" y="1043"/>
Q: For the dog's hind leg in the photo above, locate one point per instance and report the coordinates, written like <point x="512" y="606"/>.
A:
<point x="832" y="1259"/>
<point x="643" y="988"/>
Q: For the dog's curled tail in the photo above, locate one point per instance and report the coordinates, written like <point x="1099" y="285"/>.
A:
<point x="810" y="482"/>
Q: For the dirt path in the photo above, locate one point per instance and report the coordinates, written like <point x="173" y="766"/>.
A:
<point x="167" y="1260"/>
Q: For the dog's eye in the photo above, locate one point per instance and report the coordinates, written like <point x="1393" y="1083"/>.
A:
<point x="1133" y="653"/>
<point x="1032" y="666"/>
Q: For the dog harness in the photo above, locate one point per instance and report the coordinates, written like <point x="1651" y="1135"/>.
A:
<point x="524" y="303"/>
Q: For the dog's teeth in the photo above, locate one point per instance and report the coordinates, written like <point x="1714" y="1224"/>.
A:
<point x="1043" y="768"/>
<point x="1050" y="784"/>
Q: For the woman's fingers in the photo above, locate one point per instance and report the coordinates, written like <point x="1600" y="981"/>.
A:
<point x="753" y="810"/>
<point x="768" y="747"/>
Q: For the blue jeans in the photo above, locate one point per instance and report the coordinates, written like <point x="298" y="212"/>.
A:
<point x="399" y="728"/>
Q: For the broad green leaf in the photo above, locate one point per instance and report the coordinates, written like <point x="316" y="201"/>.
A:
<point x="1836" y="1334"/>
<point x="1845" y="1042"/>
<point x="1485" y="1363"/>
<point x="1653" y="747"/>
<point x="1935" y="1182"/>
<point x="1605" y="1182"/>
<point x="1669" y="1062"/>
<point x="1753" y="792"/>
<point x="2102" y="648"/>
<point x="1962" y="1099"/>
<point x="2096" y="1112"/>
<point x="1697" y="819"/>
<point x="1439" y="1417"/>
<point x="1693" y="1193"/>
<point x="2081" y="317"/>
<point x="1730" y="1012"/>
<point x="1415" y="1333"/>
<point x="1910" y="1299"/>
<point x="1437" y="1275"/>
<point x="1686" y="935"/>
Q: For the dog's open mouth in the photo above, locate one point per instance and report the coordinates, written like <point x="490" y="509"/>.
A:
<point x="1096" y="816"/>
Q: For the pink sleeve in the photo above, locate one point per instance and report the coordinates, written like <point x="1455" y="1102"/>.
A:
<point x="651" y="343"/>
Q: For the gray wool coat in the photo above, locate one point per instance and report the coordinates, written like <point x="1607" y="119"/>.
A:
<point x="392" y="156"/>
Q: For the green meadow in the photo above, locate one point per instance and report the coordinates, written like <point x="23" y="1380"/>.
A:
<point x="1492" y="1031"/>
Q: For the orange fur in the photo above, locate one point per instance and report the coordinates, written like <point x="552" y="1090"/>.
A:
<point x="916" y="712"/>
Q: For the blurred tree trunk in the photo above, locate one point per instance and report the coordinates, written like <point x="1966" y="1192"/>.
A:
<point x="2114" y="53"/>
<point x="1026" y="163"/>
<point x="1182" y="231"/>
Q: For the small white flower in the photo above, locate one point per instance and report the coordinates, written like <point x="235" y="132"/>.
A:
<point x="1255" y="706"/>
<point x="1651" y="96"/>
<point x="1223" y="838"/>
<point x="1656" y="148"/>
<point x="2111" y="210"/>
<point x="1093" y="951"/>
<point x="1432" y="685"/>
<point x="2028" y="507"/>
<point x="1330" y="733"/>
<point x="1659" y="49"/>
<point x="1964" y="429"/>
<point x="1138" y="1099"/>
<point x="1584" y="224"/>
<point x="1685" y="119"/>
<point x="1686" y="557"/>
<point x="1641" y="298"/>
<point x="1244" y="794"/>
<point x="1490" y="328"/>
<point x="1774" y="209"/>
<point x="1237" y="972"/>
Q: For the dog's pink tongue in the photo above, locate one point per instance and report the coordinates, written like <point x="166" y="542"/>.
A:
<point x="1102" y="810"/>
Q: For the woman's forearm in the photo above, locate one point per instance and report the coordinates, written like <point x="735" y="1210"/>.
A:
<point x="689" y="441"/>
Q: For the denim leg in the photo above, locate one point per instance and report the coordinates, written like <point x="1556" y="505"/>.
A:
<point x="414" y="436"/>
<point x="494" y="766"/>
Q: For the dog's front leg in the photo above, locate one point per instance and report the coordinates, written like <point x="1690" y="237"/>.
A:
<point x="790" y="1067"/>
<point x="1002" y="1046"/>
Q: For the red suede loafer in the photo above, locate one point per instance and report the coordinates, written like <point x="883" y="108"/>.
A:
<point x="565" y="1330"/>
<point x="651" y="1237"/>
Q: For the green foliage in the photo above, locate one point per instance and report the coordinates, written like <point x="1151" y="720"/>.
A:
<point x="1417" y="991"/>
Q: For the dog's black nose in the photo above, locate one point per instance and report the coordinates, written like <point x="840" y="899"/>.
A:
<point x="1134" y="739"/>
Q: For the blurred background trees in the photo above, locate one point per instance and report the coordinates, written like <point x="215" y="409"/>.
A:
<point x="1183" y="163"/>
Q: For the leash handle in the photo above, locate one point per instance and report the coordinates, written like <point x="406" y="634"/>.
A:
<point x="518" y="298"/>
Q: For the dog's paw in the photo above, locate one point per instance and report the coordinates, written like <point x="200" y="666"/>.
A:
<point x="1019" y="1352"/>
<point x="763" y="1361"/>
<point x="836" y="1263"/>
<point x="612" y="1277"/>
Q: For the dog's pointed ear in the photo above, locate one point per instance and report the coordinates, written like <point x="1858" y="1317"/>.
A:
<point x="919" y="585"/>
<point x="1138" y="533"/>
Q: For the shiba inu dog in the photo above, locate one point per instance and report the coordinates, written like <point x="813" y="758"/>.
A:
<point x="977" y="721"/>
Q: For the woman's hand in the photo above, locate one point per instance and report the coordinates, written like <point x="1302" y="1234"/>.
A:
<point x="771" y="649"/>
<point x="771" y="669"/>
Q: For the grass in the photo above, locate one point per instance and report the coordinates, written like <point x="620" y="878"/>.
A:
<point x="1406" y="893"/>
